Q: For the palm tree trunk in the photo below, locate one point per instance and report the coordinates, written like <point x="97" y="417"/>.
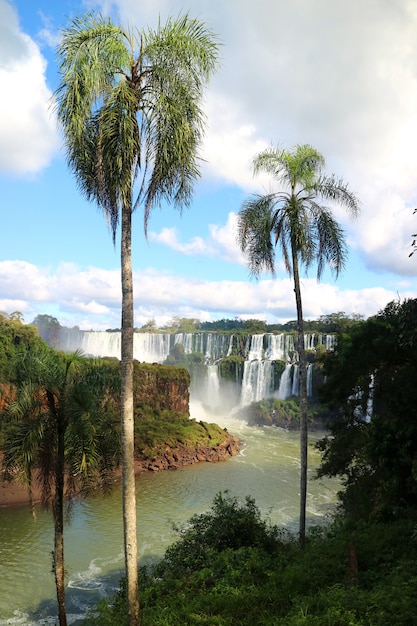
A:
<point x="303" y="402"/>
<point x="58" y="513"/>
<point x="128" y="467"/>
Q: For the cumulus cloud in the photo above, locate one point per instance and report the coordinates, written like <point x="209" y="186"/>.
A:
<point x="90" y="298"/>
<point x="220" y="242"/>
<point x="27" y="129"/>
<point x="341" y="76"/>
<point x="169" y="237"/>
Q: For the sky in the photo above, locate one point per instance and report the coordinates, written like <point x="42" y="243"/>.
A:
<point x="341" y="76"/>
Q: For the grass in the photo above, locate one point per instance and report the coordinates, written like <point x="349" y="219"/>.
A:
<point x="156" y="429"/>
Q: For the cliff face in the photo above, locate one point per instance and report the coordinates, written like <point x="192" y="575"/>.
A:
<point x="162" y="386"/>
<point x="166" y="437"/>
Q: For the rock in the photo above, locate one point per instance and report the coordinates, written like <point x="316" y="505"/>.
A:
<point x="181" y="456"/>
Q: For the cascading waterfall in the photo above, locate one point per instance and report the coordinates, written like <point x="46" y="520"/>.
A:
<point x="213" y="386"/>
<point x="286" y="384"/>
<point x="254" y="377"/>
<point x="256" y="382"/>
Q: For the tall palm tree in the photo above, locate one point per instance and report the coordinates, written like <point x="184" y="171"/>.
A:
<point x="60" y="436"/>
<point x="129" y="104"/>
<point x="305" y="230"/>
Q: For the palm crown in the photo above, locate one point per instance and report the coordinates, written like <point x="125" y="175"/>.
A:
<point x="129" y="104"/>
<point x="296" y="218"/>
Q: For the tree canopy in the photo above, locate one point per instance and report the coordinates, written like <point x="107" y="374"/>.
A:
<point x="371" y="383"/>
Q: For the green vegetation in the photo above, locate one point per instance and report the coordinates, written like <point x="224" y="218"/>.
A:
<point x="60" y="417"/>
<point x="331" y="323"/>
<point x="230" y="567"/>
<point x="155" y="430"/>
<point x="15" y="337"/>
<point x="58" y="434"/>
<point x="231" y="368"/>
<point x="284" y="413"/>
<point x="129" y="103"/>
<point x="371" y="381"/>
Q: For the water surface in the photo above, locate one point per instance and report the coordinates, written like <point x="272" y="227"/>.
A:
<point x="266" y="469"/>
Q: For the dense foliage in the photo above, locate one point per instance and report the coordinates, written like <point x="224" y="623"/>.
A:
<point x="15" y="337"/>
<point x="372" y="381"/>
<point x="230" y="567"/>
<point x="156" y="430"/>
<point x="284" y="414"/>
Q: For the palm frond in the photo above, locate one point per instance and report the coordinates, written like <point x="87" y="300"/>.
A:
<point x="337" y="191"/>
<point x="255" y="225"/>
<point x="182" y="54"/>
<point x="123" y="114"/>
<point x="331" y="244"/>
<point x="302" y="224"/>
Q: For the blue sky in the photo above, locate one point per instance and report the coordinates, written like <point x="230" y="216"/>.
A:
<point x="340" y="76"/>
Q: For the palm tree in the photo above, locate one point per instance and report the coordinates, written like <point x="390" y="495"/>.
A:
<point x="60" y="436"/>
<point x="297" y="220"/>
<point x="129" y="104"/>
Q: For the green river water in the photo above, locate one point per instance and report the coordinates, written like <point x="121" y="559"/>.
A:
<point x="266" y="469"/>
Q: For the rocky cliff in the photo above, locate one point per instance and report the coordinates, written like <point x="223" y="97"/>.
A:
<point x="162" y="386"/>
<point x="182" y="455"/>
<point x="166" y="437"/>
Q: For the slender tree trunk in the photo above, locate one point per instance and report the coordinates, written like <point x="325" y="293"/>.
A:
<point x="128" y="467"/>
<point x="58" y="512"/>
<point x="303" y="402"/>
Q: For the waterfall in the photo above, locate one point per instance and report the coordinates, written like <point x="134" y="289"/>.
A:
<point x="213" y="386"/>
<point x="254" y="378"/>
<point x="330" y="341"/>
<point x="295" y="385"/>
<point x="279" y="347"/>
<point x="256" y="348"/>
<point x="285" y="384"/>
<point x="310" y="379"/>
<point x="151" y="347"/>
<point x="309" y="341"/>
<point x="229" y="350"/>
<point x="295" y="389"/>
<point x="96" y="343"/>
<point x="257" y="381"/>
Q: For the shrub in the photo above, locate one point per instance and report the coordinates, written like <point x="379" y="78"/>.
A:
<point x="228" y="525"/>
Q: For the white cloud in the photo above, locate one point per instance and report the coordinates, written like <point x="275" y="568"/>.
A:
<point x="220" y="243"/>
<point x="342" y="76"/>
<point x="27" y="130"/>
<point x="90" y="298"/>
<point x="169" y="237"/>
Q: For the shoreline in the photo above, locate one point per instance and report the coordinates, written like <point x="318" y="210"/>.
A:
<point x="15" y="494"/>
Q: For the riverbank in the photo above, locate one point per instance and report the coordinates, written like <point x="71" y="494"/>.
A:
<point x="14" y="493"/>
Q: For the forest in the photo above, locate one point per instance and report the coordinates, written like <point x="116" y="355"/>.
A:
<point x="230" y="566"/>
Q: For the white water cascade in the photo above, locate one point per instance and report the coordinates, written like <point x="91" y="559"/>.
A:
<point x="256" y="354"/>
<point x="286" y="383"/>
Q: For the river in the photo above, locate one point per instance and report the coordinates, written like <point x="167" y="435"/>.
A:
<point x="266" y="469"/>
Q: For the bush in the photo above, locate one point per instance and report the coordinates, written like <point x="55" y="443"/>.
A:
<point x="230" y="567"/>
<point x="228" y="525"/>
